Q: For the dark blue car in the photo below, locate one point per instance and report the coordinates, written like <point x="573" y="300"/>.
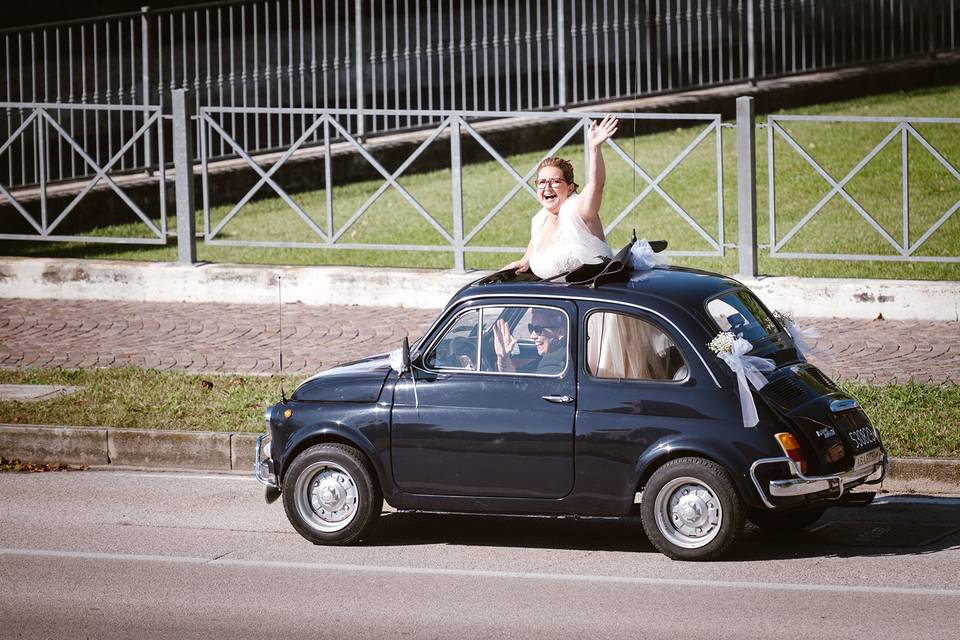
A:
<point x="597" y="399"/>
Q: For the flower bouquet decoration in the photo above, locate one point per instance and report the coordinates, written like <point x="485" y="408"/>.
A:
<point x="733" y="350"/>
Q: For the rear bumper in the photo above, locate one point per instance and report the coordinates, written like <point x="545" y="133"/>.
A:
<point x="832" y="486"/>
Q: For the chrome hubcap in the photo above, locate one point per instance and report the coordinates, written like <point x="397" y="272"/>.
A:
<point x="327" y="496"/>
<point x="688" y="513"/>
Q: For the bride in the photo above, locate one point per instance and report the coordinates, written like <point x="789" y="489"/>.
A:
<point x="567" y="231"/>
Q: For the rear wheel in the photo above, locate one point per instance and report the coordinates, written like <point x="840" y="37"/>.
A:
<point x="786" y="520"/>
<point x="330" y="495"/>
<point x="690" y="510"/>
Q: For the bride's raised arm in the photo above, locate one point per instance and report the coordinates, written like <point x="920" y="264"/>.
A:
<point x="588" y="204"/>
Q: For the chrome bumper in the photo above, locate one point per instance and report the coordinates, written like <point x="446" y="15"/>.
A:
<point x="263" y="467"/>
<point x="801" y="485"/>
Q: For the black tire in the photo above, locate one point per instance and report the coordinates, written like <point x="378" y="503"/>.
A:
<point x="786" y="520"/>
<point x="691" y="510"/>
<point x="330" y="495"/>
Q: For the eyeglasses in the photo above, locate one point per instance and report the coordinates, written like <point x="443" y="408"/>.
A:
<point x="538" y="328"/>
<point x="553" y="182"/>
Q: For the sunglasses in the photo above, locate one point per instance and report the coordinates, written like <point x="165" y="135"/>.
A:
<point x="538" y="328"/>
<point x="553" y="182"/>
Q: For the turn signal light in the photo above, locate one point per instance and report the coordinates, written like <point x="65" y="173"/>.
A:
<point x="791" y="448"/>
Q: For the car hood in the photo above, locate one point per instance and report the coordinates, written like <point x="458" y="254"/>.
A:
<point x="359" y="381"/>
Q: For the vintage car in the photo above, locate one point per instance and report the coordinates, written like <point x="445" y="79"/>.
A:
<point x="592" y="399"/>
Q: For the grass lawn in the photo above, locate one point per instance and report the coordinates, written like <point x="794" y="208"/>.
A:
<point x="915" y="419"/>
<point x="836" y="229"/>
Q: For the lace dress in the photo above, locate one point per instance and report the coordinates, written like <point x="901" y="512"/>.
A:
<point x="572" y="246"/>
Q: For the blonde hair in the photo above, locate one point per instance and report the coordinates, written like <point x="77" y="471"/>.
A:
<point x="564" y="165"/>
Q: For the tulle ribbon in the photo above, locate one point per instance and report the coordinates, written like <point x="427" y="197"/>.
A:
<point x="396" y="363"/>
<point x="642" y="258"/>
<point x="802" y="340"/>
<point x="747" y="368"/>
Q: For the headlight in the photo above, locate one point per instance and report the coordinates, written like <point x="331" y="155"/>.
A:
<point x="268" y="416"/>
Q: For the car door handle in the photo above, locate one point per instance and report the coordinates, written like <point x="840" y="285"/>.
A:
<point x="558" y="399"/>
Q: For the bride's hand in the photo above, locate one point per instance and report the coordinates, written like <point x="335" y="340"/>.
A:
<point x="519" y="266"/>
<point x="598" y="134"/>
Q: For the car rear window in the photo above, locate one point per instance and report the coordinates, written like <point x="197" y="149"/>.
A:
<point x="741" y="313"/>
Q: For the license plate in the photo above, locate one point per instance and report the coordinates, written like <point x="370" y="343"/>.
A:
<point x="867" y="458"/>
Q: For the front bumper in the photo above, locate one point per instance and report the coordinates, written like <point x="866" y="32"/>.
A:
<point x="803" y="485"/>
<point x="263" y="466"/>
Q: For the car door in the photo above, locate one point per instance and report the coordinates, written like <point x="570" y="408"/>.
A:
<point x="470" y="425"/>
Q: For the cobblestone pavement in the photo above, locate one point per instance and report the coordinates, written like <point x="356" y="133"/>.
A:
<point x="201" y="337"/>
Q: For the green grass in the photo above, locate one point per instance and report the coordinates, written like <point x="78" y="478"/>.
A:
<point x="135" y="398"/>
<point x="836" y="229"/>
<point x="915" y="419"/>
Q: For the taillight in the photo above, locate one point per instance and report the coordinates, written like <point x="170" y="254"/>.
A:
<point x="791" y="448"/>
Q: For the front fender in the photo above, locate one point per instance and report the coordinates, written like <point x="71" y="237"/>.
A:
<point x="371" y="439"/>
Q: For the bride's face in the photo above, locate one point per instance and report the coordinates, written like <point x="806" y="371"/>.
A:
<point x="552" y="189"/>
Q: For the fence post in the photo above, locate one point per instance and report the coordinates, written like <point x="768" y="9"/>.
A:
<point x="145" y="78"/>
<point x="183" y="177"/>
<point x="751" y="45"/>
<point x="457" y="199"/>
<point x="746" y="188"/>
<point x="359" y="66"/>
<point x="561" y="57"/>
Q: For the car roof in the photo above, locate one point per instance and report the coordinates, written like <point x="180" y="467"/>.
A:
<point x="675" y="286"/>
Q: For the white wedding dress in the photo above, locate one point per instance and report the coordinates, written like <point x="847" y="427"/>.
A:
<point x="573" y="245"/>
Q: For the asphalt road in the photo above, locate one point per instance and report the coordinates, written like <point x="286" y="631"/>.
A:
<point x="115" y="554"/>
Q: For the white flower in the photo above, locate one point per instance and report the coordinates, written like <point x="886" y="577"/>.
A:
<point x="784" y="319"/>
<point x="722" y="342"/>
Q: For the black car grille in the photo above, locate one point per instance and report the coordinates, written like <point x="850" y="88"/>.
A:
<point x="820" y="377"/>
<point x="784" y="391"/>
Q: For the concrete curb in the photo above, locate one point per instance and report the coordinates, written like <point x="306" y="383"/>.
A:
<point x="210" y="451"/>
<point x="66" y="279"/>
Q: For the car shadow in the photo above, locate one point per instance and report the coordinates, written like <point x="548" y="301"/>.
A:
<point x="900" y="527"/>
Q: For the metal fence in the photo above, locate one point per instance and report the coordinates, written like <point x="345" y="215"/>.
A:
<point x="51" y="146"/>
<point x="911" y="144"/>
<point x="903" y="131"/>
<point x="406" y="57"/>
<point x="457" y="236"/>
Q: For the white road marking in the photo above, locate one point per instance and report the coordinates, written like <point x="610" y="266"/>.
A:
<point x="475" y="573"/>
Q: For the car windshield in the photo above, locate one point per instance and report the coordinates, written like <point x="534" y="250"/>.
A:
<point x="742" y="314"/>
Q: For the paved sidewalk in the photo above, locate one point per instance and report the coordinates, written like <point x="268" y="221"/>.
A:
<point x="204" y="337"/>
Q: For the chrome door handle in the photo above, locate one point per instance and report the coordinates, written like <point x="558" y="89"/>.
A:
<point x="558" y="399"/>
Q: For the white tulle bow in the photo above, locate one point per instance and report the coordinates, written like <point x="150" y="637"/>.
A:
<point x="747" y="368"/>
<point x="396" y="363"/>
<point x="643" y="258"/>
<point x="803" y="338"/>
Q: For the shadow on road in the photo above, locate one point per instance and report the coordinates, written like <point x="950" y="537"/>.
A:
<point x="896" y="526"/>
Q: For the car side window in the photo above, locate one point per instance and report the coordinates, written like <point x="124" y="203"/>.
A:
<point x="626" y="347"/>
<point x="459" y="346"/>
<point x="524" y="339"/>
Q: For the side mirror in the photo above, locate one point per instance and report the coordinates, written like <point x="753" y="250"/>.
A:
<point x="400" y="358"/>
<point x="405" y="353"/>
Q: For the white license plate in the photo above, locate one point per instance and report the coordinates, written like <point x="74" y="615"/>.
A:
<point x="867" y="458"/>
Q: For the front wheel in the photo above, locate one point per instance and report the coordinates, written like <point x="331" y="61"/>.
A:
<point x="330" y="495"/>
<point x="691" y="510"/>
